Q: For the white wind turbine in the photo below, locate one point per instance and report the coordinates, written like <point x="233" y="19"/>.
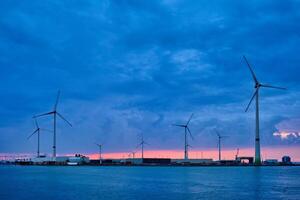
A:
<point x="186" y="130"/>
<point x="100" y="152"/>
<point x="143" y="142"/>
<point x="55" y="114"/>
<point x="219" y="143"/>
<point x="257" y="86"/>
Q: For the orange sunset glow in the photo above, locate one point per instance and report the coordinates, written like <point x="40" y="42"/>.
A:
<point x="267" y="153"/>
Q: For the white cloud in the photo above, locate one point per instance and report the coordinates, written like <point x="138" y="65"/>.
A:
<point x="189" y="60"/>
<point x="286" y="135"/>
<point x="289" y="126"/>
<point x="288" y="129"/>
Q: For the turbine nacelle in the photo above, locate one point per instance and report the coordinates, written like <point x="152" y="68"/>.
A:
<point x="257" y="85"/>
<point x="99" y="145"/>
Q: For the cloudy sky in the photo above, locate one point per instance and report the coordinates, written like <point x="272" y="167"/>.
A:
<point x="127" y="68"/>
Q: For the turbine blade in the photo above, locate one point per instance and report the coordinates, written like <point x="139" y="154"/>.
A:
<point x="251" y="70"/>
<point x="43" y="129"/>
<point x="48" y="113"/>
<point x="32" y="134"/>
<point x="99" y="145"/>
<point x="190" y="133"/>
<point x="180" y="125"/>
<point x="270" y="86"/>
<point x="189" y="119"/>
<point x="57" y="98"/>
<point x="251" y="100"/>
<point x="140" y="144"/>
<point x="36" y="123"/>
<point x="64" y="119"/>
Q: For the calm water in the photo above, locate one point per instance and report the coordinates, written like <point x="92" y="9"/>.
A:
<point x="35" y="182"/>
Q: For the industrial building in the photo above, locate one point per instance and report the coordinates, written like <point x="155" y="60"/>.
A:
<point x="205" y="161"/>
<point x="286" y="160"/>
<point x="77" y="159"/>
<point x="244" y="160"/>
<point x="271" y="162"/>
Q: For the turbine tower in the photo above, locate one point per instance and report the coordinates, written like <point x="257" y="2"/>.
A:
<point x="55" y="114"/>
<point x="186" y="130"/>
<point x="257" y="86"/>
<point x="100" y="152"/>
<point x="237" y="153"/>
<point x="219" y="143"/>
<point x="37" y="130"/>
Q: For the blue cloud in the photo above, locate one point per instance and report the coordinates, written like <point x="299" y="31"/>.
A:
<point x="132" y="67"/>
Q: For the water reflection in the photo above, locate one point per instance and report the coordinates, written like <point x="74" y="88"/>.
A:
<point x="257" y="184"/>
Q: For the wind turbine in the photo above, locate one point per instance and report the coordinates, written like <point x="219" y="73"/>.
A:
<point x="55" y="114"/>
<point x="219" y="143"/>
<point x="37" y="130"/>
<point x="237" y="153"/>
<point x="257" y="86"/>
<point x="186" y="130"/>
<point x="100" y="152"/>
<point x="132" y="153"/>
<point x="143" y="142"/>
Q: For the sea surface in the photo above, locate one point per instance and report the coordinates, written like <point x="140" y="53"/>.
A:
<point x="141" y="183"/>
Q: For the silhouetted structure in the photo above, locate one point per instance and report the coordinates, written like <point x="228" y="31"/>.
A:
<point x="242" y="159"/>
<point x="55" y="114"/>
<point x="257" y="86"/>
<point x="186" y="129"/>
<point x="286" y="160"/>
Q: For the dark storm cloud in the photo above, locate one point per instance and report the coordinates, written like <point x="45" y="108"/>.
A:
<point x="132" y="67"/>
